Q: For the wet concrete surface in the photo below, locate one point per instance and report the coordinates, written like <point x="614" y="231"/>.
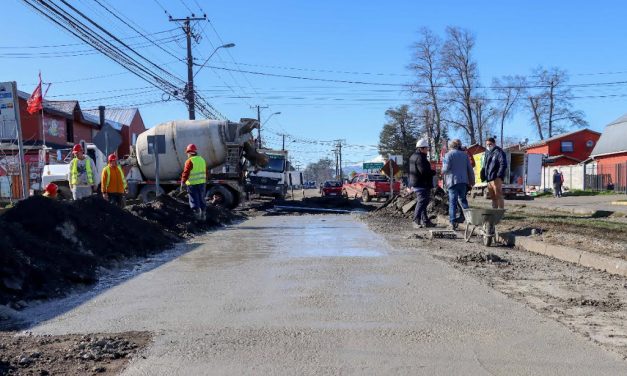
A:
<point x="314" y="294"/>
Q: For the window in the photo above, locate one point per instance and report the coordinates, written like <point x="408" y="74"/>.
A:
<point x="567" y="147"/>
<point x="589" y="143"/>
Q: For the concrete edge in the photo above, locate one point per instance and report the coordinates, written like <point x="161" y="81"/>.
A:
<point x="623" y="203"/>
<point x="587" y="259"/>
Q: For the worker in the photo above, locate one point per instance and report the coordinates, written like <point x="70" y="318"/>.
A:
<point x="421" y="181"/>
<point x="495" y="167"/>
<point x="195" y="178"/>
<point x="51" y="191"/>
<point x="82" y="179"/>
<point x="112" y="182"/>
<point x="458" y="177"/>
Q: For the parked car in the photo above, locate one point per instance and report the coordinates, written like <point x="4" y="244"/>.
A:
<point x="331" y="188"/>
<point x="369" y="186"/>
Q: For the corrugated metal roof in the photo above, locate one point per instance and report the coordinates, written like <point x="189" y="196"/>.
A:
<point x="88" y="115"/>
<point x="122" y="116"/>
<point x="547" y="140"/>
<point x="614" y="138"/>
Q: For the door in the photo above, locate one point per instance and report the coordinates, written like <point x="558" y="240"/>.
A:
<point x="534" y="169"/>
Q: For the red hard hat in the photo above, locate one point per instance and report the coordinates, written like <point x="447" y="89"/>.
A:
<point x="51" y="188"/>
<point x="77" y="148"/>
<point x="191" y="148"/>
<point x="112" y="158"/>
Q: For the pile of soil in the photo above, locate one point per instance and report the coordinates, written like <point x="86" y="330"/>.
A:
<point x="105" y="354"/>
<point x="48" y="245"/>
<point x="175" y="217"/>
<point x="394" y="208"/>
<point x="480" y="258"/>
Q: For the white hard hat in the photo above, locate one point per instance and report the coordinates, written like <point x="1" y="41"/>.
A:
<point x="422" y="143"/>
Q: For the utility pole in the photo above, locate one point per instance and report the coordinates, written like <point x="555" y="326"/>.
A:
<point x="189" y="92"/>
<point x="338" y="151"/>
<point x="259" y="108"/>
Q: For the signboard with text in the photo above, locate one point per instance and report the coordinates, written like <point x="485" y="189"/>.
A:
<point x="8" y="119"/>
<point x="373" y="165"/>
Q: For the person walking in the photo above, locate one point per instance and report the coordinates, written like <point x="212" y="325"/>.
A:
<point x="113" y="182"/>
<point x="558" y="179"/>
<point x="195" y="177"/>
<point x="458" y="178"/>
<point x="82" y="178"/>
<point x="494" y="169"/>
<point x="51" y="191"/>
<point x="421" y="181"/>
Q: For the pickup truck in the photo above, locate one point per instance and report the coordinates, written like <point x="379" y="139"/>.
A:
<point x="369" y="186"/>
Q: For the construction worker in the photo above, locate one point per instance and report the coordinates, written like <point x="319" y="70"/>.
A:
<point x="421" y="182"/>
<point x="51" y="191"/>
<point x="112" y="182"/>
<point x="195" y="178"/>
<point x="82" y="177"/>
<point x="459" y="177"/>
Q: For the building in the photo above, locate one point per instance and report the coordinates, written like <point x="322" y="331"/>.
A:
<point x="566" y="149"/>
<point x="128" y="121"/>
<point x="608" y="168"/>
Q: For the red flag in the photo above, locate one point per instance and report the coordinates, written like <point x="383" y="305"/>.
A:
<point x="36" y="99"/>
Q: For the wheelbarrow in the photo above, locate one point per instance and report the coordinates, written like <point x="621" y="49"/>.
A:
<point x="482" y="222"/>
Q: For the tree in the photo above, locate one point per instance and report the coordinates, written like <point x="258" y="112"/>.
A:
<point x="508" y="91"/>
<point x="399" y="134"/>
<point x="427" y="88"/>
<point x="484" y="117"/>
<point x="319" y="171"/>
<point x="550" y="105"/>
<point x="462" y="75"/>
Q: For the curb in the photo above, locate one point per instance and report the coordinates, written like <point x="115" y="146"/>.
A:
<point x="624" y="203"/>
<point x="607" y="264"/>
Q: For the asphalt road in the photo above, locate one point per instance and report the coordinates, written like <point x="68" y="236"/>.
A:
<point x="317" y="295"/>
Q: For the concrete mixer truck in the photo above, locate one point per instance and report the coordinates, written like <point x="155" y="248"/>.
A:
<point x="226" y="146"/>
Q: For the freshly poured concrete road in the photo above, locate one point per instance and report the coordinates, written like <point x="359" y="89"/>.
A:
<point x="318" y="295"/>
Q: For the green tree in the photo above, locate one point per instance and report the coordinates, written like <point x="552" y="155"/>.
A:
<point x="399" y="134"/>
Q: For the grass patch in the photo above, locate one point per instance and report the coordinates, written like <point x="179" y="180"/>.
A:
<point x="579" y="192"/>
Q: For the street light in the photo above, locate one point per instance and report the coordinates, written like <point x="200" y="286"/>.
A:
<point x="228" y="45"/>
<point x="268" y="118"/>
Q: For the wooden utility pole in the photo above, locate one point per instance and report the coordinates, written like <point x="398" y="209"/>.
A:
<point x="259" y="108"/>
<point x="190" y="95"/>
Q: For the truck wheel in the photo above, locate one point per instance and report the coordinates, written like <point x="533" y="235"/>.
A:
<point x="149" y="192"/>
<point x="226" y="197"/>
<point x="365" y="196"/>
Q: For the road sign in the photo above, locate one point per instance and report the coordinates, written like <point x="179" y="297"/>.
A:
<point x="158" y="141"/>
<point x="108" y="139"/>
<point x="397" y="158"/>
<point x="373" y="165"/>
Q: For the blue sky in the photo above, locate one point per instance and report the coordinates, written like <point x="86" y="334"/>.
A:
<point x="337" y="40"/>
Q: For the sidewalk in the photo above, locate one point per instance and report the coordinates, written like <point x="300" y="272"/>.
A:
<point x="584" y="205"/>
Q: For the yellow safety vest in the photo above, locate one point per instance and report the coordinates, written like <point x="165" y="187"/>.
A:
<point x="74" y="171"/>
<point x="198" y="175"/>
<point x="107" y="170"/>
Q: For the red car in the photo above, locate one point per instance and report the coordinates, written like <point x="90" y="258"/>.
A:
<point x="368" y="186"/>
<point x="331" y="188"/>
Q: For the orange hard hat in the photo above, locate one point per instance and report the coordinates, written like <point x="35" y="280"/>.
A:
<point x="52" y="188"/>
<point x="77" y="148"/>
<point x="112" y="158"/>
<point x="191" y="148"/>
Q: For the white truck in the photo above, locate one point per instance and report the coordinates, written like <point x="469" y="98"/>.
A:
<point x="226" y="146"/>
<point x="274" y="179"/>
<point x="523" y="170"/>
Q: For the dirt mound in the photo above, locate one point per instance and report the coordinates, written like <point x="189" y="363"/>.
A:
<point x="47" y="244"/>
<point x="175" y="216"/>
<point x="402" y="206"/>
<point x="480" y="258"/>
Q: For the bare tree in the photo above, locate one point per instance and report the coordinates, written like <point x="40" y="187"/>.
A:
<point x="427" y="88"/>
<point x="461" y="72"/>
<point x="508" y="91"/>
<point x="550" y="105"/>
<point x="484" y="116"/>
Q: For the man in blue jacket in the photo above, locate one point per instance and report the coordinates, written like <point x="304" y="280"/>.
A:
<point x="458" y="178"/>
<point x="495" y="167"/>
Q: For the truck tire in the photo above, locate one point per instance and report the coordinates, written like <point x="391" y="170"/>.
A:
<point x="226" y="197"/>
<point x="365" y="196"/>
<point x="149" y="192"/>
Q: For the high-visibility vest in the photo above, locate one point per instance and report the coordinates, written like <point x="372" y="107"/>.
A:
<point x="74" y="171"/>
<point x="198" y="175"/>
<point x="107" y="171"/>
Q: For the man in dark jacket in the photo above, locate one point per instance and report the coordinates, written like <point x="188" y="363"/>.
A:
<point x="421" y="182"/>
<point x="495" y="167"/>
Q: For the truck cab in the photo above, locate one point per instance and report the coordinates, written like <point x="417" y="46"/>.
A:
<point x="272" y="180"/>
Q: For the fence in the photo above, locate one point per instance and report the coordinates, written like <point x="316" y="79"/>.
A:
<point x="611" y="177"/>
<point x="573" y="176"/>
